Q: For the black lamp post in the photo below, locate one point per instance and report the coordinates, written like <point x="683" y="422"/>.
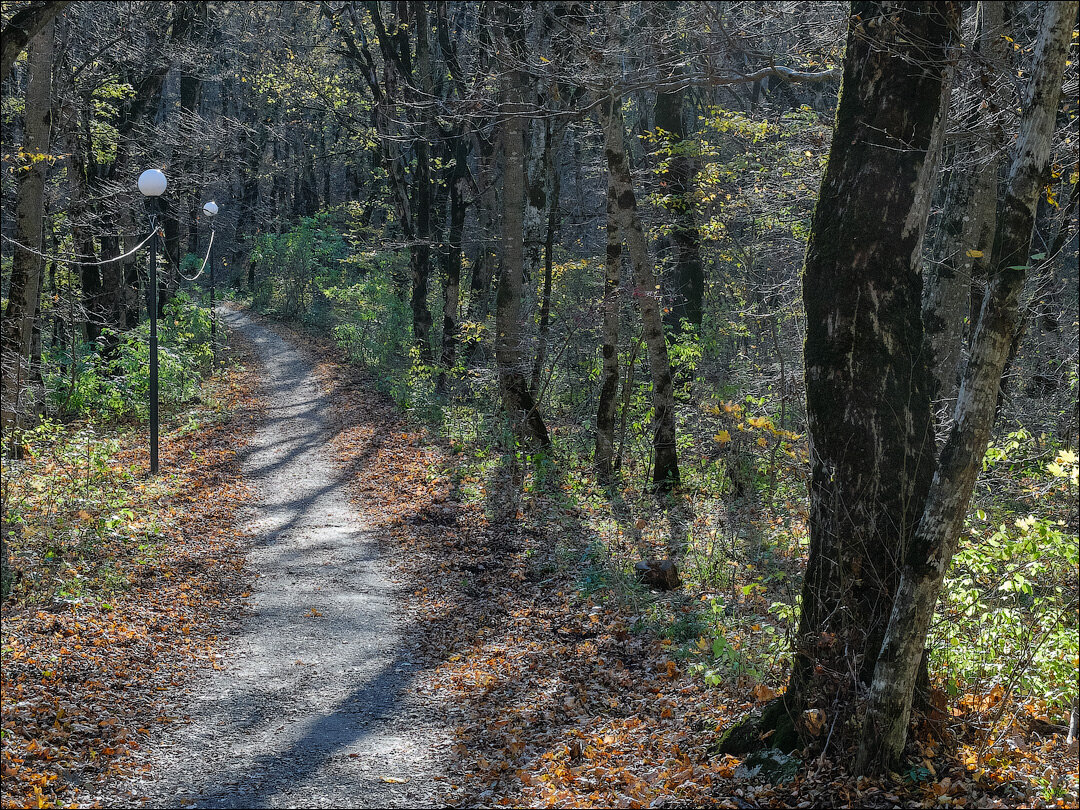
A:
<point x="152" y="184"/>
<point x="210" y="210"/>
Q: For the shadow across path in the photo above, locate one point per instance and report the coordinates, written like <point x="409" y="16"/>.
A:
<point x="312" y="706"/>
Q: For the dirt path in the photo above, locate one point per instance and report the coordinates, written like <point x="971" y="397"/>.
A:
<point x="311" y="707"/>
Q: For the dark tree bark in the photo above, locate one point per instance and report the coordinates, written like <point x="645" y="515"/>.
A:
<point x="867" y="391"/>
<point x="26" y="263"/>
<point x="682" y="247"/>
<point x="551" y="195"/>
<point x="524" y="415"/>
<point x="458" y="183"/>
<point x="420" y="252"/>
<point x="934" y="542"/>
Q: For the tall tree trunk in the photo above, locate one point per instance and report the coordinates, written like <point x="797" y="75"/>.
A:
<point x="458" y="182"/>
<point x="525" y="418"/>
<point x="867" y="392"/>
<point x="682" y="246"/>
<point x="551" y="194"/>
<point x="420" y="252"/>
<point x="967" y="225"/>
<point x="647" y="296"/>
<point x="609" y="376"/>
<point x="22" y="27"/>
<point x="889" y="710"/>
<point x="486" y="262"/>
<point x="26" y="265"/>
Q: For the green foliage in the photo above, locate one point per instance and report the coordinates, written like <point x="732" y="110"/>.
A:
<point x="287" y="264"/>
<point x="1011" y="594"/>
<point x="115" y="383"/>
<point x="61" y="501"/>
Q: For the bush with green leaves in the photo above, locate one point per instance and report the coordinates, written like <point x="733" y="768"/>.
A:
<point x="287" y="264"/>
<point x="116" y="382"/>
<point x="1010" y="605"/>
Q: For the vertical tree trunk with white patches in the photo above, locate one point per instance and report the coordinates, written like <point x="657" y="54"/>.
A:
<point x="646" y="294"/>
<point x="509" y="352"/>
<point x="967" y="225"/>
<point x="609" y="376"/>
<point x="886" y="724"/>
<point x="26" y="264"/>
<point x="868" y="403"/>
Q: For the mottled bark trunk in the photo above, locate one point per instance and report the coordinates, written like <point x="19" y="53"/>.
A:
<point x="525" y="418"/>
<point x="26" y="265"/>
<point x="867" y="392"/>
<point x="966" y="228"/>
<point x="420" y="252"/>
<point x="889" y="710"/>
<point x="647" y="296"/>
<point x="458" y="182"/>
<point x="609" y="376"/>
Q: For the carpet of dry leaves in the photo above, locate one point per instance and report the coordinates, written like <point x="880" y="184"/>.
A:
<point x="553" y="696"/>
<point x="552" y="699"/>
<point x="87" y="682"/>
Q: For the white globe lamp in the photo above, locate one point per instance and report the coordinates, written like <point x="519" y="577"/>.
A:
<point x="210" y="209"/>
<point x="152" y="183"/>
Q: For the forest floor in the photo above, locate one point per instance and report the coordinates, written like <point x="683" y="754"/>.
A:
<point x="401" y="626"/>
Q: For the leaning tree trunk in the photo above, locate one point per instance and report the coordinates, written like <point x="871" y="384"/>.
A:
<point x="509" y="353"/>
<point x="646" y="293"/>
<point x="967" y="222"/>
<point x="867" y="391"/>
<point x="886" y="724"/>
<point x="26" y="265"/>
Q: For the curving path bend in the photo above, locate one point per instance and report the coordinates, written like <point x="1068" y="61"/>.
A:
<point x="311" y="707"/>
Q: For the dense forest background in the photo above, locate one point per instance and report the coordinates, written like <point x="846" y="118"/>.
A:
<point x="578" y="241"/>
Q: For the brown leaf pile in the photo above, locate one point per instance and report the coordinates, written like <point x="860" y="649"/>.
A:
<point x="86" y="683"/>
<point x="552" y="699"/>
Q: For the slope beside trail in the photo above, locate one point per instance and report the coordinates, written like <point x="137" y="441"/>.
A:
<point x="311" y="706"/>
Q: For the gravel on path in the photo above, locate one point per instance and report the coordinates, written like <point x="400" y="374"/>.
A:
<point x="312" y="706"/>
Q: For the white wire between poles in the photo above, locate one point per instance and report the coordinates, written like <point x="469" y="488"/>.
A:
<point x="209" y="247"/>
<point x="75" y="259"/>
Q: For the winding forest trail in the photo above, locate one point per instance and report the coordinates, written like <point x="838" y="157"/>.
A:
<point x="311" y="707"/>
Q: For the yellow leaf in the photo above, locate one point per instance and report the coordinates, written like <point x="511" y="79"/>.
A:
<point x="723" y="437"/>
<point x="395" y="780"/>
<point x="975" y="254"/>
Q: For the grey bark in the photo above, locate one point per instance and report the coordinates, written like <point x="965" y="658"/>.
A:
<point x="646" y="295"/>
<point x="525" y="418"/>
<point x="967" y="224"/>
<point x="889" y="710"/>
<point x="22" y="27"/>
<point x="609" y="377"/>
<point x="27" y="264"/>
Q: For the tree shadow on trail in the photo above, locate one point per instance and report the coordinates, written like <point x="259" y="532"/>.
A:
<point x="346" y="731"/>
